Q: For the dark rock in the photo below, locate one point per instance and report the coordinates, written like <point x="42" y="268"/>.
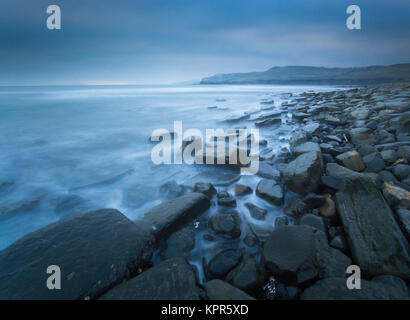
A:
<point x="396" y="196"/>
<point x="404" y="152"/>
<point x="392" y="281"/>
<point x="374" y="162"/>
<point x="281" y="221"/>
<point x="172" y="190"/>
<point x="256" y="212"/>
<point x="364" y="149"/>
<point x="339" y="172"/>
<point x="169" y="216"/>
<point x="270" y="191"/>
<point x="94" y="251"/>
<point x="351" y="160"/>
<point x="314" y="201"/>
<point x="389" y="156"/>
<point x="179" y="244"/>
<point x="205" y="188"/>
<point x="226" y="224"/>
<point x="223" y="262"/>
<point x="293" y="292"/>
<point x="303" y="174"/>
<point x="403" y="219"/>
<point x="251" y="240"/>
<point x="332" y="182"/>
<point x="401" y="171"/>
<point x="339" y="242"/>
<point x="305" y="147"/>
<point x="267" y="171"/>
<point x="387" y="176"/>
<point x="313" y="221"/>
<point x="247" y="276"/>
<point x="360" y="135"/>
<point x="173" y="279"/>
<point x="301" y="253"/>
<point x="296" y="208"/>
<point x="241" y="190"/>
<point x="375" y="239"/>
<point x="329" y="208"/>
<point x="220" y="290"/>
<point x="336" y="289"/>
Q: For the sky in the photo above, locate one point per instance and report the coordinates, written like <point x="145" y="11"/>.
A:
<point x="169" y="41"/>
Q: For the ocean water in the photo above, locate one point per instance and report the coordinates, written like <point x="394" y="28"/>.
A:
<point x="71" y="149"/>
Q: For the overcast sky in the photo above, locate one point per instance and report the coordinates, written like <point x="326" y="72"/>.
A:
<point x="166" y="41"/>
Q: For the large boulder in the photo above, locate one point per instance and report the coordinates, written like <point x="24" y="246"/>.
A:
<point x="226" y="224"/>
<point x="302" y="175"/>
<point x="179" y="244"/>
<point x="173" y="279"/>
<point x="375" y="239"/>
<point x="301" y="253"/>
<point x="247" y="276"/>
<point x="169" y="216"/>
<point x="223" y="262"/>
<point x="336" y="289"/>
<point x="94" y="251"/>
<point x="220" y="290"/>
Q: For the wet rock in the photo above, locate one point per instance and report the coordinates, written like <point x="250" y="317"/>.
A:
<point x="301" y="253"/>
<point x="404" y="152"/>
<point x="359" y="135"/>
<point x="339" y="242"/>
<point x="396" y="196"/>
<point x="250" y="240"/>
<point x="314" y="201"/>
<point x="267" y="171"/>
<point x="403" y="219"/>
<point x="205" y="188"/>
<point x="374" y="162"/>
<point x="361" y="113"/>
<point x="374" y="238"/>
<point x="270" y="191"/>
<point x="173" y="279"/>
<point x="305" y="147"/>
<point x="226" y="200"/>
<point x="94" y="251"/>
<point x="256" y="212"/>
<point x="389" y="156"/>
<point x="268" y="122"/>
<point x="281" y="221"/>
<point x="339" y="172"/>
<point x="219" y="178"/>
<point x="296" y="208"/>
<point x="364" y="148"/>
<point x="220" y="290"/>
<point x="392" y="281"/>
<point x="171" y="190"/>
<point x="223" y="262"/>
<point x="179" y="244"/>
<point x="247" y="276"/>
<point x="387" y="176"/>
<point x="313" y="221"/>
<point x="293" y="292"/>
<point x="226" y="224"/>
<point x="401" y="171"/>
<point x="336" y="289"/>
<point x="303" y="174"/>
<point x="297" y="138"/>
<point x="351" y="160"/>
<point x="241" y="190"/>
<point x="311" y="128"/>
<point x="328" y="209"/>
<point x="331" y="182"/>
<point x="171" y="215"/>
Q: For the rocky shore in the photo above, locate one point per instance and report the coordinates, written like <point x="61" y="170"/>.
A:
<point x="343" y="187"/>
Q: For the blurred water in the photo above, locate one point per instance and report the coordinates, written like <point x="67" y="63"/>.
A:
<point x="87" y="147"/>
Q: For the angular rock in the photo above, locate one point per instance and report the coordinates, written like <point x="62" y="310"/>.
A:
<point x="226" y="200"/>
<point x="305" y="147"/>
<point x="220" y="290"/>
<point x="270" y="191"/>
<point x="94" y="251"/>
<point x="301" y="253"/>
<point x="303" y="174"/>
<point x="241" y="190"/>
<point x="205" y="188"/>
<point x="179" y="244"/>
<point x="403" y="219"/>
<point x="339" y="172"/>
<point x="396" y="196"/>
<point x="375" y="239"/>
<point x="328" y="209"/>
<point x="226" y="224"/>
<point x="173" y="279"/>
<point x="256" y="212"/>
<point x="374" y="162"/>
<point x="351" y="160"/>
<point x="313" y="221"/>
<point x="171" y="215"/>
<point x="247" y="276"/>
<point x="267" y="171"/>
<point x="362" y="135"/>
<point x="223" y="262"/>
<point x="296" y="208"/>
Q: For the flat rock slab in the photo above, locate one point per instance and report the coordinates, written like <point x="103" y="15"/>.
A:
<point x="94" y="251"/>
<point x="336" y="289"/>
<point x="173" y="279"/>
<point x="169" y="216"/>
<point x="375" y="239"/>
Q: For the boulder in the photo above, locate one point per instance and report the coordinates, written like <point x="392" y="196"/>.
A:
<point x="226" y="224"/>
<point x="267" y="171"/>
<point x="205" y="188"/>
<point x="302" y="175"/>
<point x="351" y="160"/>
<point x="336" y="289"/>
<point x="301" y="253"/>
<point x="95" y="251"/>
<point x="247" y="276"/>
<point x="305" y="147"/>
<point x="270" y="191"/>
<point x="375" y="239"/>
<point x="339" y="172"/>
<point x="171" y="215"/>
<point x="179" y="244"/>
<point x="313" y="221"/>
<point x="173" y="279"/>
<point x="396" y="196"/>
<point x="220" y="290"/>
<point x="401" y="171"/>
<point x="223" y="262"/>
<point x="256" y="212"/>
<point x="359" y="135"/>
<point x="374" y="162"/>
<point x="403" y="219"/>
